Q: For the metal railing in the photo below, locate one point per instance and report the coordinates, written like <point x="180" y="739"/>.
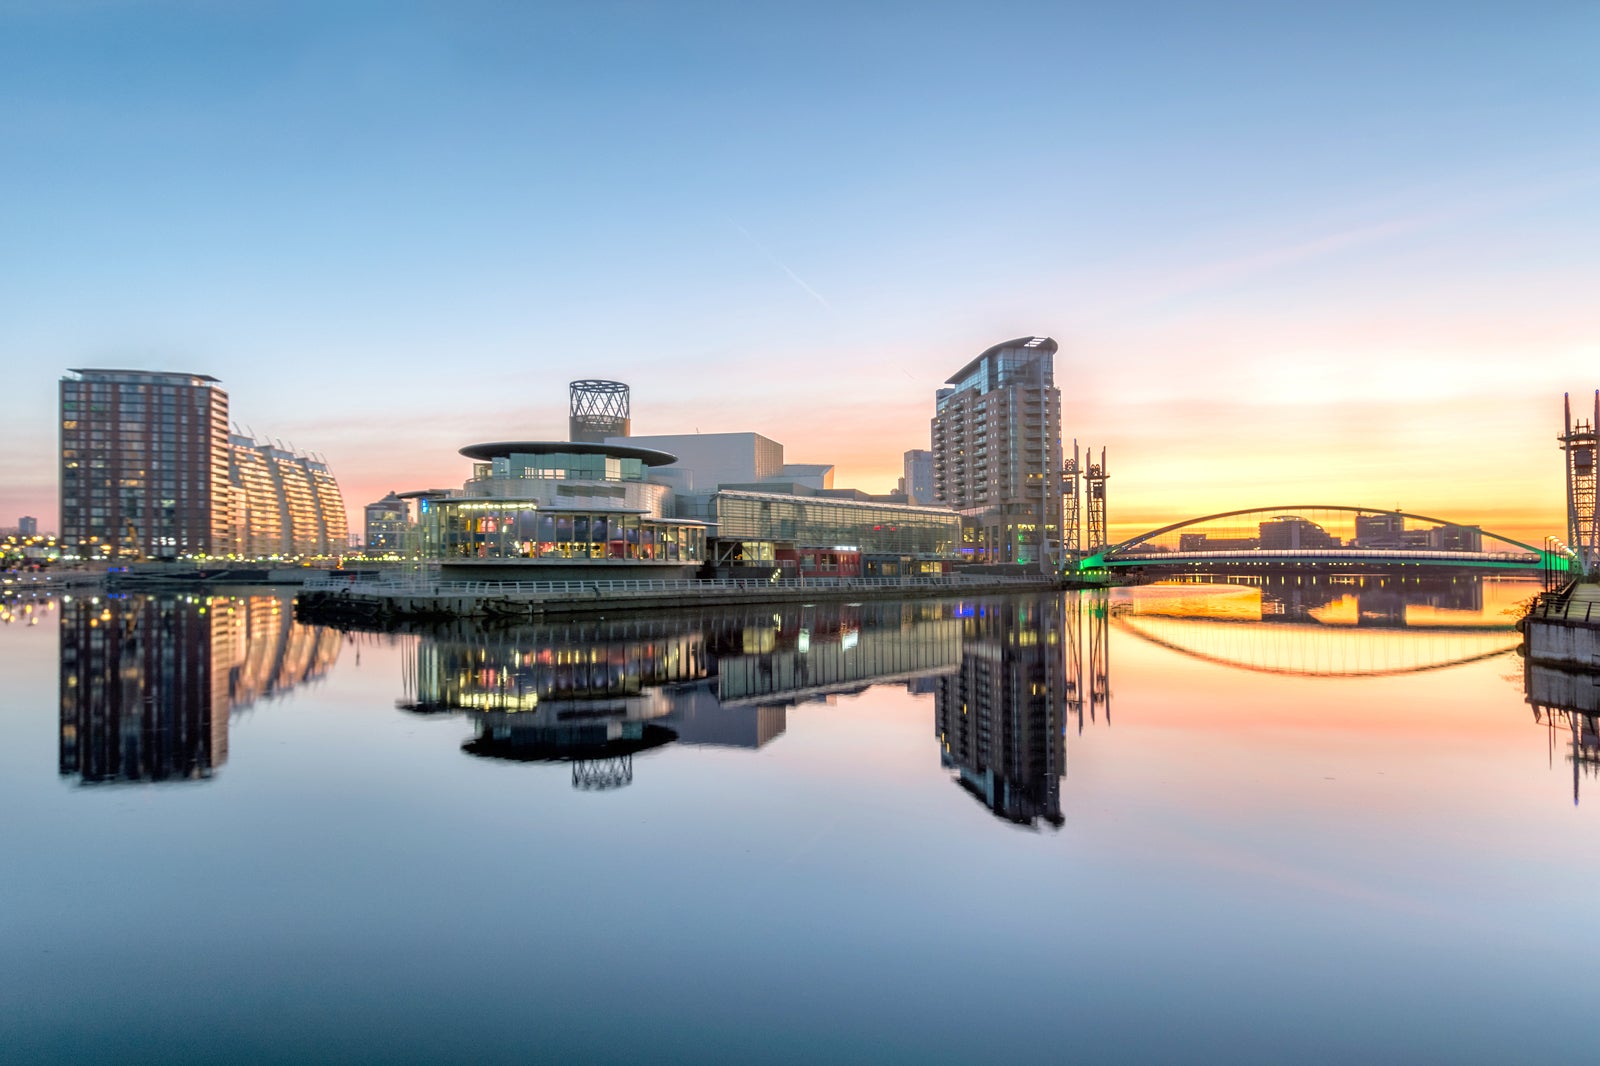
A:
<point x="401" y="585"/>
<point x="1562" y="605"/>
<point x="1531" y="559"/>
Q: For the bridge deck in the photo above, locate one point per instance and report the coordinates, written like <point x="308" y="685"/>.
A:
<point x="1509" y="560"/>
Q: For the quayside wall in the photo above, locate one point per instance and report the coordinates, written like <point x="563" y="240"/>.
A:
<point x="1563" y="628"/>
<point x="381" y="602"/>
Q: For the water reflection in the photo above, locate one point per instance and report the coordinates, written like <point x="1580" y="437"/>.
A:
<point x="1329" y="628"/>
<point x="595" y="693"/>
<point x="148" y="681"/>
<point x="1000" y="716"/>
<point x="1567" y="703"/>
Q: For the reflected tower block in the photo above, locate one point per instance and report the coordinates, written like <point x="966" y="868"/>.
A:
<point x="144" y="693"/>
<point x="1000" y="717"/>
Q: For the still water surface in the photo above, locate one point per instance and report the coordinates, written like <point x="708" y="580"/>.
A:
<point x="1175" y="823"/>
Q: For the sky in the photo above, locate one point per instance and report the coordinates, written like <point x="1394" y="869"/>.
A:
<point x="1344" y="256"/>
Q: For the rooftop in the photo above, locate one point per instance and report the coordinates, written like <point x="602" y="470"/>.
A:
<point x="504" y="449"/>
<point x="1043" y="345"/>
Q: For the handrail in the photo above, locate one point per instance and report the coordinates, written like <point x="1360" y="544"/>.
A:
<point x="411" y="584"/>
<point x="1328" y="553"/>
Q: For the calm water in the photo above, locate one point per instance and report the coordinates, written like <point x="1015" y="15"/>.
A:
<point x="1302" y="823"/>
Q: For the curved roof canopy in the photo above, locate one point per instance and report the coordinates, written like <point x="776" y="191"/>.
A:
<point x="1030" y="344"/>
<point x="504" y="449"/>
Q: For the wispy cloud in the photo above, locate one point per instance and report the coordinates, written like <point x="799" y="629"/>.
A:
<point x="1220" y="273"/>
<point x="781" y="265"/>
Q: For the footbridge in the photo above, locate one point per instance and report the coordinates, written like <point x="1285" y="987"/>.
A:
<point x="1325" y="536"/>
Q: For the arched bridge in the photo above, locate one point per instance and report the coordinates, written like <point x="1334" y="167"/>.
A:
<point x="1322" y="535"/>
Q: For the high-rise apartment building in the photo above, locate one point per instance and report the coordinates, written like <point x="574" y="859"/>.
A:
<point x="144" y="464"/>
<point x="997" y="452"/>
<point x="28" y="526"/>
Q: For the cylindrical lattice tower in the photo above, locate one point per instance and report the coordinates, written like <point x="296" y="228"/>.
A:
<point x="600" y="409"/>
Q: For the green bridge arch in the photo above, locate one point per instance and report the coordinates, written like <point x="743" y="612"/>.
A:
<point x="1115" y="554"/>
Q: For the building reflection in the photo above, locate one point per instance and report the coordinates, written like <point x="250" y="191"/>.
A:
<point x="148" y="681"/>
<point x="595" y="693"/>
<point x="1000" y="716"/>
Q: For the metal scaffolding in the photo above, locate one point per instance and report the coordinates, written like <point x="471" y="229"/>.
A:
<point x="1071" y="509"/>
<point x="1094" y="479"/>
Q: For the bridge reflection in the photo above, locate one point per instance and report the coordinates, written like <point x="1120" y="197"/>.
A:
<point x="1329" y="628"/>
<point x="148" y="681"/>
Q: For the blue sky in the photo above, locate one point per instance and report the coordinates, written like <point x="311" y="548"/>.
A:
<point x="1276" y="245"/>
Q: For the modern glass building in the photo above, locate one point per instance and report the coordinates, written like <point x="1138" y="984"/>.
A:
<point x="558" y="508"/>
<point x="762" y="527"/>
<point x="997" y="451"/>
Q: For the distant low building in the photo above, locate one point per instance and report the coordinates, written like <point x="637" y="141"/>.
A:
<point x="386" y="524"/>
<point x="917" y="484"/>
<point x="1291" y="532"/>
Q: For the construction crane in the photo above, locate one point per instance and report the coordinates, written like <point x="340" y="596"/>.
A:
<point x="130" y="540"/>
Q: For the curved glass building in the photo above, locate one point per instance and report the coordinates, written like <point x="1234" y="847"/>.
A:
<point x="555" y="509"/>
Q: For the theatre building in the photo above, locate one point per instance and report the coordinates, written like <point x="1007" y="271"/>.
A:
<point x="556" y="510"/>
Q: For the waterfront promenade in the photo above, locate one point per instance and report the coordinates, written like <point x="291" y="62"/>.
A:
<point x="1563" y="628"/>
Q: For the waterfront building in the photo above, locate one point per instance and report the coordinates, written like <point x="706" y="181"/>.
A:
<point x="149" y="470"/>
<point x="283" y="503"/>
<point x="386" y="524"/>
<point x="917" y="485"/>
<point x="27" y="526"/>
<point x="559" y="509"/>
<point x="840" y="535"/>
<point x="763" y="512"/>
<point x="997" y="457"/>
<point x="144" y="465"/>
